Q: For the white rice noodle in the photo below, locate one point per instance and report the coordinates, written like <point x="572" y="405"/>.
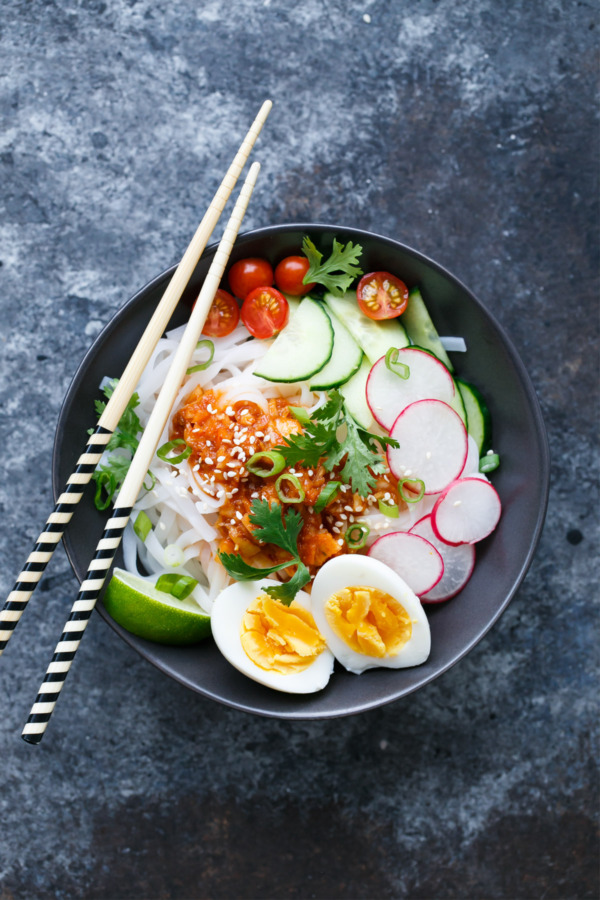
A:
<point x="183" y="509"/>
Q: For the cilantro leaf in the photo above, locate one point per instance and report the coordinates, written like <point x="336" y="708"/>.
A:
<point x="110" y="475"/>
<point x="241" y="571"/>
<point x="274" y="528"/>
<point x="287" y="590"/>
<point x="338" y="272"/>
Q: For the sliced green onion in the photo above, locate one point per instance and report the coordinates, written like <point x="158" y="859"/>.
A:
<point x="295" y="484"/>
<point x="107" y="481"/>
<point x="174" y="556"/>
<point x="180" y="586"/>
<point x="356" y="536"/>
<point x="172" y="445"/>
<point x="390" y="510"/>
<point x="327" y="494"/>
<point x="489" y="462"/>
<point x="398" y="368"/>
<point x="411" y="496"/>
<point x="142" y="526"/>
<point x="276" y="460"/>
<point x="301" y="414"/>
<point x="152" y="481"/>
<point x="211" y="350"/>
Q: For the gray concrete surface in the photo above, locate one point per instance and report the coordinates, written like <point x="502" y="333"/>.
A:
<point x="466" y="130"/>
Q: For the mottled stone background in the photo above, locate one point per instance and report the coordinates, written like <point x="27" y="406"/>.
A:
<point x="465" y="129"/>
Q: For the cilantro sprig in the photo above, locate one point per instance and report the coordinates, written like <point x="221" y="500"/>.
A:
<point x="319" y="442"/>
<point x="338" y="271"/>
<point x="110" y="476"/>
<point x="281" y="529"/>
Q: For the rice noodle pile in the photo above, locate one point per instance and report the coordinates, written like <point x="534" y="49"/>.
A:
<point x="184" y="539"/>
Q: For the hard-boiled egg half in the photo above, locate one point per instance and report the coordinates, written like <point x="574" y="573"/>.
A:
<point x="368" y="615"/>
<point x="276" y="645"/>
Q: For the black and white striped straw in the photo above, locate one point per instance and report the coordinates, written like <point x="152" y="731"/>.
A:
<point x="60" y="517"/>
<point x="99" y="567"/>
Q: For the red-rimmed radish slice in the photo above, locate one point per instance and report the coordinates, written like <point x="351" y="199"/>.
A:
<point x="458" y="564"/>
<point x="411" y="557"/>
<point x="433" y="445"/>
<point x="388" y="394"/>
<point x="467" y="511"/>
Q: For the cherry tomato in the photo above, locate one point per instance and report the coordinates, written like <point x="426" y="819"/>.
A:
<point x="247" y="274"/>
<point x="381" y="295"/>
<point x="265" y="312"/>
<point x="289" y="274"/>
<point x="223" y="315"/>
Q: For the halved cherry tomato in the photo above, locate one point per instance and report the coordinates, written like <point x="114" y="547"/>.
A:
<point x="265" y="312"/>
<point x="289" y="274"/>
<point x="381" y="295"/>
<point x="247" y="274"/>
<point x="223" y="315"/>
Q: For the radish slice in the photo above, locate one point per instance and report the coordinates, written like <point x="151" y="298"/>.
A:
<point x="411" y="557"/>
<point x="472" y="460"/>
<point x="433" y="445"/>
<point x="458" y="564"/>
<point x="467" y="511"/>
<point x="388" y="394"/>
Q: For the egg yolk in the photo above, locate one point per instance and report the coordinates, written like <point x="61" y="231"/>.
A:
<point x="369" y="621"/>
<point x="280" y="638"/>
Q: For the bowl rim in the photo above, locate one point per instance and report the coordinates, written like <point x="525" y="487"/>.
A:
<point x="349" y="233"/>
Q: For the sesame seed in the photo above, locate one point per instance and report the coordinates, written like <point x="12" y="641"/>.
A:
<point x="428" y="454"/>
<point x="344" y="517"/>
<point x="234" y="491"/>
<point x="349" y="508"/>
<point x="210" y="409"/>
<point x="208" y="461"/>
<point x="344" y="488"/>
<point x="260" y="434"/>
<point x="230" y="411"/>
<point x="232" y="521"/>
<point x="243" y="412"/>
<point x="220" y="458"/>
<point x="341" y="542"/>
<point x="457" y="503"/>
<point x="336" y="529"/>
<point x="254" y="495"/>
<point x="310" y="473"/>
<point x="233" y="465"/>
<point x="209" y="443"/>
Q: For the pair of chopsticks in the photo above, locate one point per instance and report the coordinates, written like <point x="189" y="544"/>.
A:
<point x="59" y="519"/>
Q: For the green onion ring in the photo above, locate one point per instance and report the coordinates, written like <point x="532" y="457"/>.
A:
<point x="388" y="509"/>
<point x="357" y="543"/>
<point x="171" y="445"/>
<point x="328" y="492"/>
<point x="276" y="459"/>
<point x="152" y="481"/>
<point x="410" y="497"/>
<point x="489" y="462"/>
<point x="398" y="368"/>
<point x="180" y="586"/>
<point x="293" y="481"/>
<point x="211" y="350"/>
<point x="142" y="525"/>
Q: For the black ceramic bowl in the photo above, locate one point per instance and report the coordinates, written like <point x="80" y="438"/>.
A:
<point x="490" y="362"/>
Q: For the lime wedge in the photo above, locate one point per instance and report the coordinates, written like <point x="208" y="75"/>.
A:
<point x="141" y="609"/>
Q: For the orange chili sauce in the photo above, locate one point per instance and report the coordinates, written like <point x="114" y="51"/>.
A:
<point x="223" y="437"/>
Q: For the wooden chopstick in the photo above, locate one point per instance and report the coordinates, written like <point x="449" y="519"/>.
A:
<point x="66" y="504"/>
<point x="98" y="569"/>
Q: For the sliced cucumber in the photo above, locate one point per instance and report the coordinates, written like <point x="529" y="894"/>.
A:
<point x="302" y="348"/>
<point x="420" y="328"/>
<point x="374" y="337"/>
<point x="479" y="421"/>
<point x="345" y="359"/>
<point x="355" y="398"/>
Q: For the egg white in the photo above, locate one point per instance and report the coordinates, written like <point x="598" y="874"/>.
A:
<point x="226" y="622"/>
<point x="355" y="570"/>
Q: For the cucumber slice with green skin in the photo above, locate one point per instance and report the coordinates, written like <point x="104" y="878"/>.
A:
<point x="375" y="337"/>
<point x="302" y="348"/>
<point x="355" y="397"/>
<point x="420" y="328"/>
<point x="479" y="421"/>
<point x="345" y="359"/>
